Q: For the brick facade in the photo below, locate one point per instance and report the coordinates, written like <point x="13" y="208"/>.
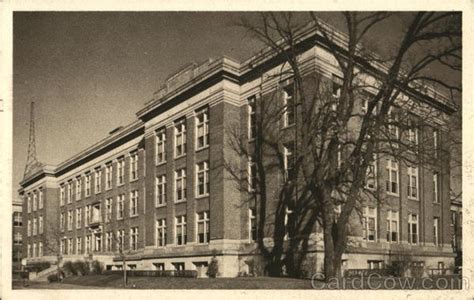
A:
<point x="223" y="87"/>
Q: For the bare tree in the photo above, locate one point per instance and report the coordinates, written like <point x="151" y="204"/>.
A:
<point x="334" y="143"/>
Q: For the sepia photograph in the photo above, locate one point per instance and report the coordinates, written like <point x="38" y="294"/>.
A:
<point x="317" y="150"/>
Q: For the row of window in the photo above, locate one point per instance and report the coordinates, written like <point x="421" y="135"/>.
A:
<point x="180" y="138"/>
<point x="35" y="226"/>
<point x="369" y="227"/>
<point x="289" y="112"/>
<point x="180" y="194"/>
<point x="35" y="200"/>
<point x="34" y="250"/>
<point x="66" y="189"/>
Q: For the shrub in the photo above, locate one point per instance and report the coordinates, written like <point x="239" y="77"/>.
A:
<point x="213" y="268"/>
<point x="53" y="278"/>
<point x="68" y="268"/>
<point x="96" y="267"/>
<point x="80" y="267"/>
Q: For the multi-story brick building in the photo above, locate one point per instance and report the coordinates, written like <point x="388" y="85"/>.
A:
<point x="17" y="237"/>
<point x="158" y="188"/>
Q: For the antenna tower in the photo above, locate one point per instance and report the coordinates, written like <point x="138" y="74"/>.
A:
<point x="32" y="162"/>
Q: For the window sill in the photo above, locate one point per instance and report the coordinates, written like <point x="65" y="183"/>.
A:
<point x="436" y="203"/>
<point x="160" y="163"/>
<point x="134" y="179"/>
<point x="181" y="156"/>
<point x="134" y="216"/>
<point x="393" y="194"/>
<point x="202" y="148"/>
<point x="413" y="199"/>
<point x="120" y="184"/>
<point x="202" y="196"/>
<point x="288" y="126"/>
<point x="160" y="205"/>
<point x="179" y="201"/>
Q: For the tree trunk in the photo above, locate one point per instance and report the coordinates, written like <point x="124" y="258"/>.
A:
<point x="124" y="267"/>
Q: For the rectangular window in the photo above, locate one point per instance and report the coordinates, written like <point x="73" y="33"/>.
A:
<point x="35" y="201"/>
<point x="412" y="137"/>
<point x="453" y="218"/>
<point x="40" y="224"/>
<point x="435" y="143"/>
<point x="98" y="242"/>
<point x="88" y="184"/>
<point x="134" y="238"/>
<point x="34" y="249"/>
<point x="289" y="161"/>
<point x="78" y="218"/>
<point x="108" y="176"/>
<point x="35" y="228"/>
<point x="40" y="249"/>
<point x="180" y="231"/>
<point x="120" y="206"/>
<point x="369" y="224"/>
<point x="180" y="185"/>
<point x="40" y="198"/>
<point x="78" y="188"/>
<point x="160" y="145"/>
<point x="203" y="227"/>
<point x="134" y="203"/>
<point x="392" y="226"/>
<point x="29" y="228"/>
<point x="134" y="165"/>
<point x="79" y="245"/>
<point x="88" y="243"/>
<point x="392" y="177"/>
<point x="412" y="186"/>
<point x="98" y="180"/>
<point x="69" y="220"/>
<point x="120" y="240"/>
<point x="436" y="231"/>
<point x="17" y="239"/>
<point x="202" y="179"/>
<point x="161" y="232"/>
<point x="252" y="225"/>
<point x="436" y="187"/>
<point x="160" y="191"/>
<point x="413" y="229"/>
<point x="108" y="210"/>
<point x="289" y="106"/>
<point x="29" y="202"/>
<point x="252" y="108"/>
<point x="180" y="138"/>
<point x="252" y="174"/>
<point x="69" y="192"/>
<point x="371" y="176"/>
<point x="62" y="197"/>
<point x="202" y="129"/>
<point x="108" y="241"/>
<point x="88" y="214"/>
<point x="393" y="129"/>
<point x="62" y="221"/>
<point x="17" y="219"/>
<point x="69" y="246"/>
<point x="120" y="171"/>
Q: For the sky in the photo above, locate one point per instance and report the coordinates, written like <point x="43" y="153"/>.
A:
<point x="90" y="72"/>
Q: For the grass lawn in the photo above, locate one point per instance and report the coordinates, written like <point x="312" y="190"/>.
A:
<point x="115" y="281"/>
